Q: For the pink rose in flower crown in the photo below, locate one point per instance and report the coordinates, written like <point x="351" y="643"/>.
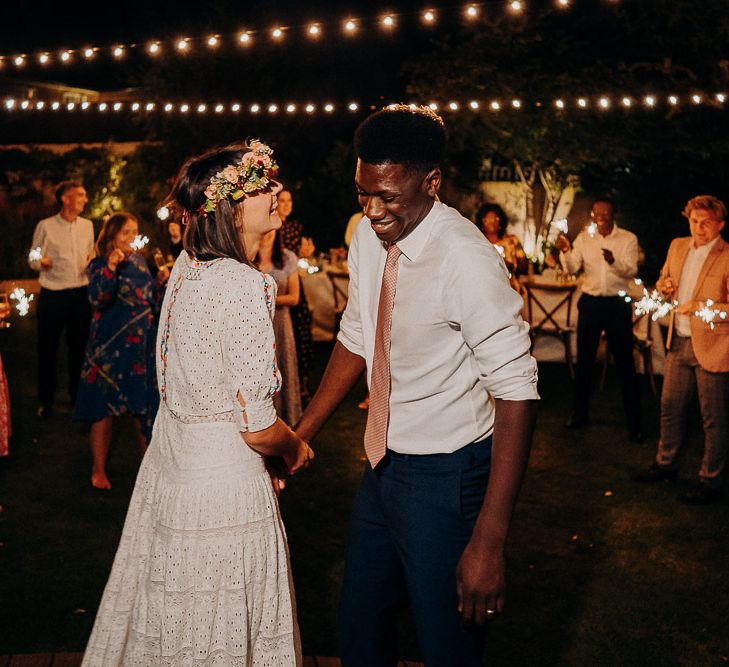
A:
<point x="230" y="174"/>
<point x="257" y="146"/>
<point x="210" y="192"/>
<point x="248" y="160"/>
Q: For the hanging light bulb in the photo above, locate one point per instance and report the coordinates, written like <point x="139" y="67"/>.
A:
<point x="353" y="106"/>
<point x="471" y="12"/>
<point x="118" y="51"/>
<point x="350" y="26"/>
<point x="244" y="38"/>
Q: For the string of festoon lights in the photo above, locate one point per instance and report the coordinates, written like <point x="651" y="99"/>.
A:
<point x="600" y="103"/>
<point x="348" y="27"/>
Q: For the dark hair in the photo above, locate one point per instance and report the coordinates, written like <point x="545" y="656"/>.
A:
<point x="217" y="234"/>
<point x="488" y="208"/>
<point x="112" y="226"/>
<point x="399" y="134"/>
<point x="606" y="200"/>
<point x="63" y="187"/>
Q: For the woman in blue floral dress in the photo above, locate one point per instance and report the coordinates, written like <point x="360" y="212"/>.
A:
<point x="118" y="374"/>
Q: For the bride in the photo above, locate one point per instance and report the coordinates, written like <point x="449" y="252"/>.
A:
<point x="201" y="575"/>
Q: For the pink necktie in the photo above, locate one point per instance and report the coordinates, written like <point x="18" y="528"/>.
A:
<point x="378" y="417"/>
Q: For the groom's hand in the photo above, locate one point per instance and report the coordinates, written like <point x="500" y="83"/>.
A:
<point x="480" y="583"/>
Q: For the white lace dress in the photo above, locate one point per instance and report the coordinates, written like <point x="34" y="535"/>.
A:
<point x="201" y="576"/>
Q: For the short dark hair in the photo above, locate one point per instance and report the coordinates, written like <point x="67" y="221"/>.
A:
<point x="112" y="226"/>
<point x="400" y="134"/>
<point x="488" y="208"/>
<point x="606" y="200"/>
<point x="63" y="187"/>
<point x="216" y="234"/>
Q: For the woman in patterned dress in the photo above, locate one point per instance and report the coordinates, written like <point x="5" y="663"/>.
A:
<point x="201" y="576"/>
<point x="292" y="240"/>
<point x="491" y="220"/>
<point x="282" y="264"/>
<point x="118" y="374"/>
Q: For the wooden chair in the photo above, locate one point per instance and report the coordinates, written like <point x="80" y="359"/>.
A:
<point x="340" y="282"/>
<point x="644" y="347"/>
<point x="548" y="325"/>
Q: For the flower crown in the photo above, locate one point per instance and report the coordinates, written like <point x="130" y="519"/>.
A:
<point x="254" y="172"/>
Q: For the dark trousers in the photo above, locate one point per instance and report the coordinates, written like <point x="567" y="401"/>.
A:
<point x="67" y="309"/>
<point x="615" y="317"/>
<point x="411" y="522"/>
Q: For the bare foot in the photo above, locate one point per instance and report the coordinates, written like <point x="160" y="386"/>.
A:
<point x="99" y="480"/>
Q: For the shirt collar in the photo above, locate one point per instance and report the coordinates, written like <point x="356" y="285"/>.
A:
<point x="704" y="249"/>
<point x="60" y="218"/>
<point x="412" y="245"/>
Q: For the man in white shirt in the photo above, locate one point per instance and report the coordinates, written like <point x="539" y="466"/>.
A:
<point x="696" y="271"/>
<point x="62" y="247"/>
<point x="433" y="321"/>
<point x="609" y="257"/>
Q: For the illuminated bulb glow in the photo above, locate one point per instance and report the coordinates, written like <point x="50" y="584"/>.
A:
<point x="66" y="56"/>
<point x="43" y="58"/>
<point x="388" y="21"/>
<point x="213" y="41"/>
<point x="184" y="108"/>
<point x="9" y="104"/>
<point x="201" y="108"/>
<point x="673" y="100"/>
<point x="118" y="51"/>
<point x="696" y="99"/>
<point x="153" y="48"/>
<point x="433" y="106"/>
<point x="163" y="212"/>
<point x="235" y="108"/>
<point x="150" y="106"/>
<point x="329" y="108"/>
<point x="627" y="102"/>
<point x="453" y="106"/>
<point x="473" y="104"/>
<point x="19" y="61"/>
<point x="563" y="3"/>
<point x="650" y="101"/>
<point x="495" y="106"/>
<point x="117" y="106"/>
<point x="604" y="102"/>
<point x="255" y="108"/>
<point x="70" y="106"/>
<point x="102" y="106"/>
<point x="582" y="103"/>
<point x="721" y="98"/>
<point x="168" y="107"/>
<point x="135" y="106"/>
<point x="88" y="53"/>
<point x="559" y="104"/>
<point x="471" y="11"/>
<point x="244" y="38"/>
<point x="272" y="108"/>
<point x="350" y="25"/>
<point x="84" y="105"/>
<point x="25" y="104"/>
<point x="182" y="44"/>
<point x="40" y="105"/>
<point x="55" y="106"/>
<point x="429" y="16"/>
<point x="516" y="104"/>
<point x="314" y="30"/>
<point x="353" y="106"/>
<point x="219" y="108"/>
<point x="309" y="108"/>
<point x="290" y="108"/>
<point x="516" y="6"/>
<point x="277" y="33"/>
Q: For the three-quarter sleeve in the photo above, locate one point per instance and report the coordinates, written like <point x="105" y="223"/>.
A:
<point x="350" y="329"/>
<point x="103" y="283"/>
<point x="490" y="321"/>
<point x="249" y="351"/>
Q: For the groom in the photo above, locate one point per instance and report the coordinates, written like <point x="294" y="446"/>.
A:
<point x="453" y="390"/>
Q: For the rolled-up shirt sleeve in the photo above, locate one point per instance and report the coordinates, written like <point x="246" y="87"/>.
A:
<point x="626" y="262"/>
<point x="249" y="352"/>
<point x="39" y="238"/>
<point x="350" y="330"/>
<point x="478" y="298"/>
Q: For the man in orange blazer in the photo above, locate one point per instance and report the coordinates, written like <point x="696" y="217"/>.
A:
<point x="696" y="270"/>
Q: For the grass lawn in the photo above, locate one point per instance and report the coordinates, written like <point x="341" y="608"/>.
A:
<point x="601" y="570"/>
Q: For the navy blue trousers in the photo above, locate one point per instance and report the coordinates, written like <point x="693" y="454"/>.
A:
<point x="412" y="519"/>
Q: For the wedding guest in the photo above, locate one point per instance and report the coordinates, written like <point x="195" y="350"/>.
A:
<point x="66" y="244"/>
<point x="118" y="375"/>
<point x="301" y="246"/>
<point x="608" y="255"/>
<point x="452" y="404"/>
<point x="174" y="230"/>
<point x="202" y="575"/>
<point x="5" y="423"/>
<point x="696" y="271"/>
<point x="492" y="221"/>
<point x="282" y="264"/>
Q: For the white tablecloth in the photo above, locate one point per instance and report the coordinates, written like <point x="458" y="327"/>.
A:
<point x="320" y="297"/>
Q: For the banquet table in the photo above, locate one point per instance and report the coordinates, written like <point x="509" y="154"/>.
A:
<point x="557" y="299"/>
<point x="320" y="295"/>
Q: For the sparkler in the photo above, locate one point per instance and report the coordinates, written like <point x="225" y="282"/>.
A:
<point x="139" y="242"/>
<point x="23" y="305"/>
<point x="708" y="314"/>
<point x="310" y="268"/>
<point x="35" y="254"/>
<point x="562" y="225"/>
<point x="651" y="303"/>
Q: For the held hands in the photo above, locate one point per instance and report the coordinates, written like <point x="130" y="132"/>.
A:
<point x="563" y="243"/>
<point x="480" y="583"/>
<point x="280" y="467"/>
<point x="608" y="255"/>
<point x="299" y="458"/>
<point x="115" y="256"/>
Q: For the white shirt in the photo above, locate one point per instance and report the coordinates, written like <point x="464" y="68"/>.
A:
<point x="601" y="278"/>
<point x="70" y="245"/>
<point x="687" y="282"/>
<point x="458" y="339"/>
